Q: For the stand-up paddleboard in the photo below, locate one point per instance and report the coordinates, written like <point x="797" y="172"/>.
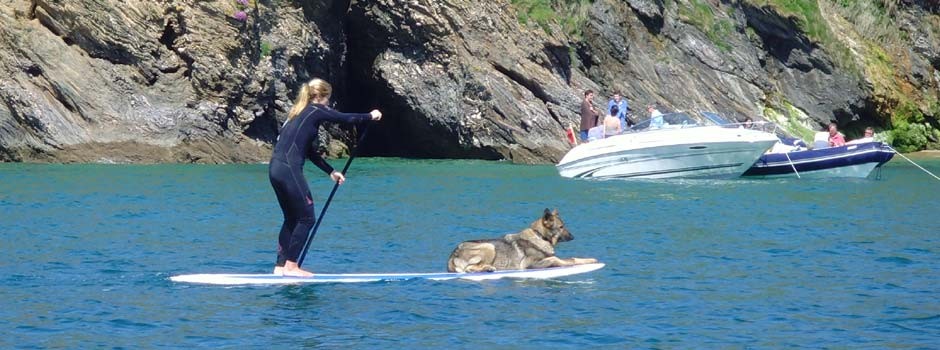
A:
<point x="260" y="279"/>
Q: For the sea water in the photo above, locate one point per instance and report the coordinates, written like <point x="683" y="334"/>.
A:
<point x="87" y="251"/>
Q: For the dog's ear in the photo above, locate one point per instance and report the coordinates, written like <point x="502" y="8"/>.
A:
<point x="547" y="216"/>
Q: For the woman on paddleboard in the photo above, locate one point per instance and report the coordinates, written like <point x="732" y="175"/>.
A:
<point x="297" y="141"/>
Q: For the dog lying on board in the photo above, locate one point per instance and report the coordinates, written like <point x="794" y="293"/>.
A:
<point x="531" y="248"/>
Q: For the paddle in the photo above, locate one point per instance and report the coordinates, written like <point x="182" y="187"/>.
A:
<point x="352" y="154"/>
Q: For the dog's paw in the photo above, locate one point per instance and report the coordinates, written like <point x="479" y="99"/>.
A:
<point x="489" y="268"/>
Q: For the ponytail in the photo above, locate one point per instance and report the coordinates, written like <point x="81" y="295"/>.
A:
<point x="315" y="90"/>
<point x="303" y="98"/>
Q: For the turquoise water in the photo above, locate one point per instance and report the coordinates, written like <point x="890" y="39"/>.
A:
<point x="88" y="250"/>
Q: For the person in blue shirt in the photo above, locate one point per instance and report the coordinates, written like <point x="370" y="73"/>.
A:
<point x="296" y="143"/>
<point x="622" y="107"/>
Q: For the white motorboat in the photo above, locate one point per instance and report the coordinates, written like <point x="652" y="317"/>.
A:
<point x="673" y="145"/>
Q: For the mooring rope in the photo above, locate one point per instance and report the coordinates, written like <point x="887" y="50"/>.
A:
<point x="912" y="162"/>
<point x="793" y="166"/>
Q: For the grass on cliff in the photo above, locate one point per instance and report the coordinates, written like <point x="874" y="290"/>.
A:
<point x="570" y="15"/>
<point x="792" y="120"/>
<point x="884" y="50"/>
<point x="702" y="15"/>
<point x="807" y="14"/>
<point x="865" y="37"/>
<point x="816" y="27"/>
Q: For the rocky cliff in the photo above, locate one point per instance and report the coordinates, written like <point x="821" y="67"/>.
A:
<point x="191" y="81"/>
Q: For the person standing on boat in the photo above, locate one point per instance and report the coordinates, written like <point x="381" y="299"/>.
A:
<point x="622" y="108"/>
<point x="835" y="137"/>
<point x="612" y="124"/>
<point x="588" y="114"/>
<point x="297" y="141"/>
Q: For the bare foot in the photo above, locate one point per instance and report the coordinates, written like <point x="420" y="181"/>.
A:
<point x="291" y="269"/>
<point x="279" y="270"/>
<point x="297" y="272"/>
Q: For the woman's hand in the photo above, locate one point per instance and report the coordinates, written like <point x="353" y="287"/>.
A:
<point x="376" y="115"/>
<point x="338" y="177"/>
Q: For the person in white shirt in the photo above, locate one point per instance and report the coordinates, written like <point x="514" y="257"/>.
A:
<point x="869" y="137"/>
<point x="656" y="117"/>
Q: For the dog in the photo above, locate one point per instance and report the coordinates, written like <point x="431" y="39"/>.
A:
<point x="531" y="248"/>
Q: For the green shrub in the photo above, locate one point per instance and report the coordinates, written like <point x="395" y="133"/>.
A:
<point x="909" y="137"/>
<point x="907" y="112"/>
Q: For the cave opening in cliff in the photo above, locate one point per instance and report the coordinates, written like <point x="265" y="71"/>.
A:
<point x="392" y="136"/>
<point x="363" y="91"/>
<point x="372" y="78"/>
<point x="403" y="131"/>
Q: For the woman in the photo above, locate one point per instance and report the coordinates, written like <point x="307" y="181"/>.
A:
<point x="297" y="140"/>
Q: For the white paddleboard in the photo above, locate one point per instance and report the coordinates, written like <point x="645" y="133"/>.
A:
<point x="261" y="279"/>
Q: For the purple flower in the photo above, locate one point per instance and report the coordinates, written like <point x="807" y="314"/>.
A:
<point x="241" y="16"/>
<point x="243" y="2"/>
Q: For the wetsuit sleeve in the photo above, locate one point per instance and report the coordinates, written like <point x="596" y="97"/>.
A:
<point x="339" y="117"/>
<point x="317" y="160"/>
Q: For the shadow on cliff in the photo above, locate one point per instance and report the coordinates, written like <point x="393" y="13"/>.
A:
<point x="404" y="131"/>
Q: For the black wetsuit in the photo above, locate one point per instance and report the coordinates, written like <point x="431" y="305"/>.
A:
<point x="297" y="141"/>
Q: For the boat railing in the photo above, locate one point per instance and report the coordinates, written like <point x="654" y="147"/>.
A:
<point x="765" y="126"/>
<point x="677" y="120"/>
<point x="683" y="120"/>
<point x="674" y="120"/>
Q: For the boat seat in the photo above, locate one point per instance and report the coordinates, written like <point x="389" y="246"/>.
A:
<point x="821" y="140"/>
<point x="596" y="133"/>
<point x="657" y="122"/>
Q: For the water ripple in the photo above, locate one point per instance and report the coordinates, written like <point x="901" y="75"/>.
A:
<point x="690" y="264"/>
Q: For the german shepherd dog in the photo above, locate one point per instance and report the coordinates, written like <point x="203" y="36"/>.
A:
<point x="531" y="248"/>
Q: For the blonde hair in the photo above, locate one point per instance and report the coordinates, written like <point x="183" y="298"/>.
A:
<point x="316" y="89"/>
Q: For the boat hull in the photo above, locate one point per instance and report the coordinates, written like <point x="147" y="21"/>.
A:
<point x="702" y="152"/>
<point x="853" y="161"/>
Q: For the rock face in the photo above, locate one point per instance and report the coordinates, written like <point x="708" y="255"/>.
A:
<point x="144" y="81"/>
<point x="186" y="81"/>
<point x="461" y="79"/>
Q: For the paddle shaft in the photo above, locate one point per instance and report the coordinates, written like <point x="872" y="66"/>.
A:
<point x="313" y="232"/>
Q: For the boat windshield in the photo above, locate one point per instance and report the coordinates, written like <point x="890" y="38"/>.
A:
<point x="673" y="121"/>
<point x="765" y="126"/>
